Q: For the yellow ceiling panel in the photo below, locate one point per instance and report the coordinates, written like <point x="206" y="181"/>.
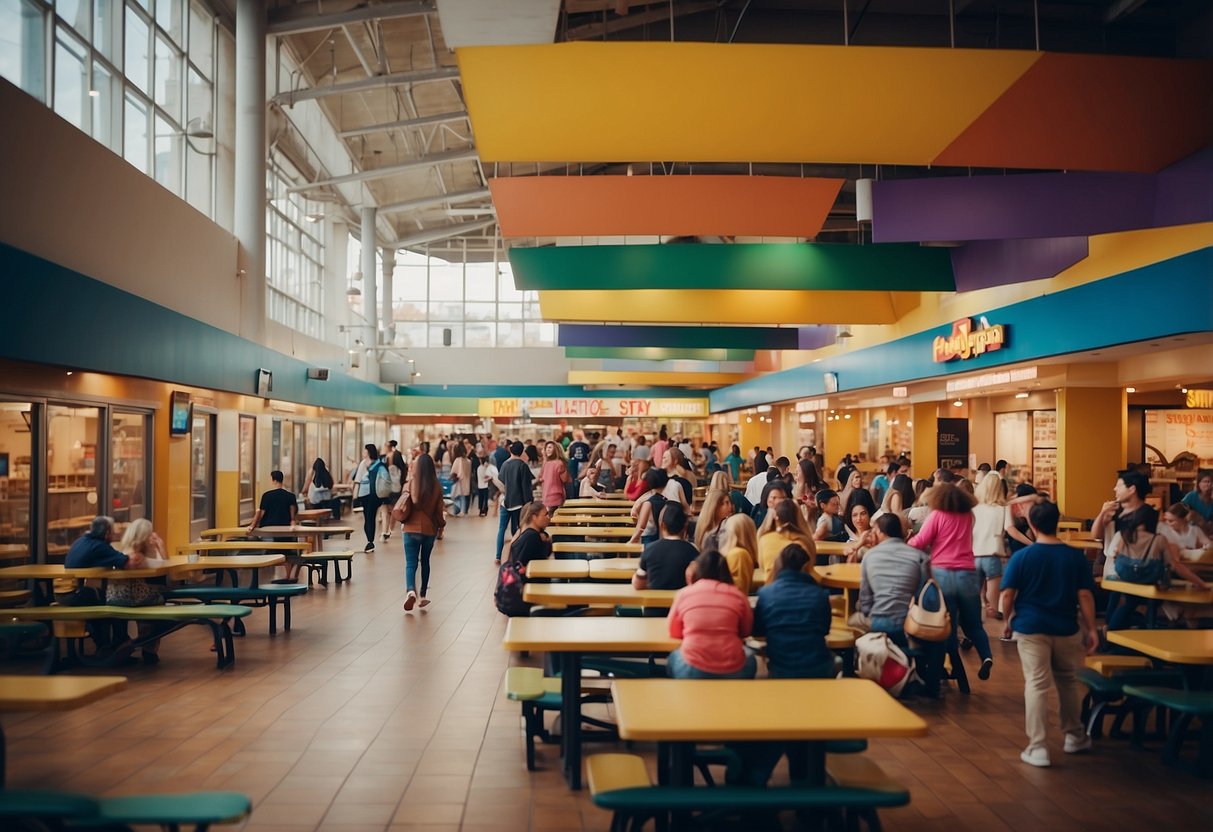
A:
<point x="653" y="379"/>
<point x="724" y="306"/>
<point x="571" y="102"/>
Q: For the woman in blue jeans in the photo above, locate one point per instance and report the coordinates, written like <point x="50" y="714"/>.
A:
<point x="421" y="514"/>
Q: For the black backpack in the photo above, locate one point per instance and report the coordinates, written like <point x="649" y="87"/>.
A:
<point x="511" y="577"/>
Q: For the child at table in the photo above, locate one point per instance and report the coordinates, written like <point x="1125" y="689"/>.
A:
<point x="143" y="548"/>
<point x="712" y="618"/>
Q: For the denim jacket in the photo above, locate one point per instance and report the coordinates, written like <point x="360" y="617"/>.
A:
<point x="793" y="612"/>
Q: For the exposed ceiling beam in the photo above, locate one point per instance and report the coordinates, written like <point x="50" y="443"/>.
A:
<point x="444" y="233"/>
<point x="422" y="76"/>
<point x="467" y="154"/>
<point x="1119" y="8"/>
<point x="591" y="31"/>
<point x="436" y="199"/>
<point x="421" y="121"/>
<point x="292" y="20"/>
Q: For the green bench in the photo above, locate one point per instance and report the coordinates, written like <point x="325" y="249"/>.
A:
<point x="271" y="596"/>
<point x="17" y="634"/>
<point x="1187" y="705"/>
<point x="51" y="809"/>
<point x="539" y="693"/>
<point x="1105" y="696"/>
<point x="620" y="783"/>
<point x="317" y="564"/>
<point x="173" y="617"/>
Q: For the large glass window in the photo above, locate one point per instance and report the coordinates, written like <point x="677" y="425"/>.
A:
<point x="71" y="466"/>
<point x="138" y="52"/>
<point x="23" y="46"/>
<point x="16" y="451"/>
<point x="71" y="79"/>
<point x="248" y="468"/>
<point x="106" y="97"/>
<point x="135" y="132"/>
<point x="294" y="257"/>
<point x="129" y="489"/>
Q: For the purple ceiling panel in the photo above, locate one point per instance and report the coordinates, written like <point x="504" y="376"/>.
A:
<point x="1019" y="206"/>
<point x="1185" y="191"/>
<point x="985" y="263"/>
<point x="816" y="337"/>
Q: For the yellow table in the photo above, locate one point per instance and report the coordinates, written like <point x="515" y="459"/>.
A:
<point x="51" y="693"/>
<point x="597" y="593"/>
<point x="830" y="547"/>
<point x="566" y="520"/>
<point x="681" y="712"/>
<point x="584" y="548"/>
<point x="570" y="639"/>
<point x="1180" y="593"/>
<point x="614" y="532"/>
<point x="598" y="509"/>
<point x="591" y="502"/>
<point x="206" y="547"/>
<point x="552" y="569"/>
<point x="613" y="569"/>
<point x="838" y="575"/>
<point x="1179" y="646"/>
<point x="314" y="536"/>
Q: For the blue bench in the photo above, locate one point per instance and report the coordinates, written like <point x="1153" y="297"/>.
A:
<point x="271" y="596"/>
<point x="1186" y="705"/>
<point x="52" y="810"/>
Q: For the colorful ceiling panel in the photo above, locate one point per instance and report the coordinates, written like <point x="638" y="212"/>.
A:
<point x="621" y="101"/>
<point x="1089" y="112"/>
<point x="659" y="354"/>
<point x="728" y="306"/>
<point x="695" y="337"/>
<point x="595" y="377"/>
<point x="628" y="101"/>
<point x="757" y="266"/>
<point x="751" y="206"/>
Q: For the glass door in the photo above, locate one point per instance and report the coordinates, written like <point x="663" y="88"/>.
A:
<point x="72" y="496"/>
<point x="202" y="474"/>
<point x="248" y="468"/>
<point x="299" y="467"/>
<point x="16" y="470"/>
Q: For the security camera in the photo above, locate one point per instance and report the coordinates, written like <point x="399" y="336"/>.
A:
<point x="318" y="373"/>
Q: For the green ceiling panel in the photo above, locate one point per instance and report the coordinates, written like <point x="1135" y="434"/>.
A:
<point x="892" y="267"/>
<point x="659" y="354"/>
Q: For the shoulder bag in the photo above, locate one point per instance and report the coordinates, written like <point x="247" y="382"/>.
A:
<point x="1147" y="569"/>
<point x="924" y="624"/>
<point x="402" y="509"/>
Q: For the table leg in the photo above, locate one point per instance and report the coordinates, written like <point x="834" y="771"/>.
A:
<point x="1151" y="614"/>
<point x="3" y="757"/>
<point x="570" y="718"/>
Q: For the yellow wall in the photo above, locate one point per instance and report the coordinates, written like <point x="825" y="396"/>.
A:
<point x="924" y="458"/>
<point x="1092" y="427"/>
<point x="839" y="437"/>
<point x="754" y="433"/>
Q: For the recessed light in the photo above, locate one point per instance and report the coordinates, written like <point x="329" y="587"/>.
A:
<point x="1130" y="389"/>
<point x="848" y="416"/>
<point x="69" y="372"/>
<point x="909" y="424"/>
<point x="1184" y="390"/>
<point x="1021" y="395"/>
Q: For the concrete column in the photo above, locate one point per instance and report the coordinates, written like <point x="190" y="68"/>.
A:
<point x="1092" y="424"/>
<point x="370" y="291"/>
<point x="388" y="256"/>
<point x="924" y="457"/>
<point x="250" y="164"/>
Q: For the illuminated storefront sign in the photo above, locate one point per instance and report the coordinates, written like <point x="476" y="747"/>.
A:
<point x="1199" y="398"/>
<point x="967" y="341"/>
<point x="593" y="407"/>
<point x="991" y="379"/>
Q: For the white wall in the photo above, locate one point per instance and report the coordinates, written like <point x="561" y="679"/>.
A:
<point x="451" y="365"/>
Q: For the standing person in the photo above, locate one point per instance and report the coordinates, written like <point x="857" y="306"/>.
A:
<point x="364" y="493"/>
<point x="1044" y="585"/>
<point x="948" y="535"/>
<point x="397" y="473"/>
<point x="988" y="525"/>
<point x="554" y="476"/>
<point x="659" y="448"/>
<point x="738" y="542"/>
<point x="461" y="479"/>
<point x="1200" y="500"/>
<point x="579" y="454"/>
<point x="663" y="563"/>
<point x="641" y="451"/>
<point x="713" y="620"/>
<point x="648" y="506"/>
<point x="420" y="514"/>
<point x="635" y="485"/>
<point x="793" y="613"/>
<point x="516" y="476"/>
<point x="501" y="453"/>
<point x="734" y="461"/>
<point x="486" y="474"/>
<point x="319" y="489"/>
<point x="1119" y="515"/>
<point x="530" y="455"/>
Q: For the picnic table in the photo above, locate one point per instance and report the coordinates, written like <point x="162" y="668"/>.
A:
<point x="560" y="595"/>
<point x="314" y="536"/>
<point x="1179" y="593"/>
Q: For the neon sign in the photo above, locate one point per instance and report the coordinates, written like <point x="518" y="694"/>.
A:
<point x="966" y="341"/>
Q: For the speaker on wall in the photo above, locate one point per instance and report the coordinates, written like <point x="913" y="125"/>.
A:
<point x="446" y="337"/>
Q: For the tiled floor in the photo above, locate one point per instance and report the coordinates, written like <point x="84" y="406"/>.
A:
<point x="368" y="718"/>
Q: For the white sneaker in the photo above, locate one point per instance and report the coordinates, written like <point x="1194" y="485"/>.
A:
<point x="410" y="601"/>
<point x="1076" y="744"/>
<point x="1038" y="757"/>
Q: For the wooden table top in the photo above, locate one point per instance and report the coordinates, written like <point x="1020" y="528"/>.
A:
<point x="706" y="710"/>
<point x="575" y="511"/>
<point x="838" y="575"/>
<point x="277" y="531"/>
<point x="55" y="693"/>
<point x="562" y="569"/>
<point x="597" y="593"/>
<point x="1181" y="646"/>
<point x="589" y="635"/>
<point x="613" y="569"/>
<point x="204" y="547"/>
<point x="623" y="532"/>
<point x="1180" y="593"/>
<point x="830" y="547"/>
<point x="614" y="547"/>
<point x="564" y="520"/>
<point x="171" y="566"/>
<point x="232" y="562"/>
<point x="592" y="502"/>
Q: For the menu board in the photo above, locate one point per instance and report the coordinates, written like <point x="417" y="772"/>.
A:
<point x="1044" y="470"/>
<point x="1172" y="432"/>
<point x="1044" y="428"/>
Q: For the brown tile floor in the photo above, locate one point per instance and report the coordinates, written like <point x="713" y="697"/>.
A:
<point x="367" y="718"/>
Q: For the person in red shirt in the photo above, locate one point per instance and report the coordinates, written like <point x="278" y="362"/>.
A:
<point x="712" y="618"/>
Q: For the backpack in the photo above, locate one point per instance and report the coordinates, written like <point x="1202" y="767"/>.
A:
<point x="657" y="503"/>
<point x="1147" y="569"/>
<point x="511" y="577"/>
<point x="381" y="479"/>
<point x="877" y="657"/>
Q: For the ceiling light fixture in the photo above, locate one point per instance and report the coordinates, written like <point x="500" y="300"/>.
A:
<point x="958" y="403"/>
<point x="1130" y="389"/>
<point x="1021" y="395"/>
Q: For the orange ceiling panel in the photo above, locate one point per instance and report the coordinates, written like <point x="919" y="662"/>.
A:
<point x="752" y="206"/>
<point x="1089" y="112"/>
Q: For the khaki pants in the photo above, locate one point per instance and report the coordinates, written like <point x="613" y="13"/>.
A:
<point x="1048" y="659"/>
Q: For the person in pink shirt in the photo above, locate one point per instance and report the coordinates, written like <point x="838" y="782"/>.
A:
<point x="712" y="618"/>
<point x="554" y="476"/>
<point x="947" y="534"/>
<point x="660" y="447"/>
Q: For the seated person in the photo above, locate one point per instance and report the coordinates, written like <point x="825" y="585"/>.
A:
<point x="1139" y="540"/>
<point x="143" y="547"/>
<point x="532" y="542"/>
<point x="277" y="508"/>
<point x="783" y="525"/>
<point x="713" y="619"/>
<point x="793" y="614"/>
<point x="891" y="573"/>
<point x="775" y="492"/>
<point x="95" y="550"/>
<point x="829" y="524"/>
<point x="663" y="564"/>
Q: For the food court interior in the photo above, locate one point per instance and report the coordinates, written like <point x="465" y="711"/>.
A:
<point x="238" y="236"/>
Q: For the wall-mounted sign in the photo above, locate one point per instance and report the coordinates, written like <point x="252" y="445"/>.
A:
<point x="589" y="407"/>
<point x="901" y="392"/>
<point x="1199" y="398"/>
<point x="952" y="443"/>
<point x="812" y="405"/>
<point x="991" y="379"/>
<point x="968" y="340"/>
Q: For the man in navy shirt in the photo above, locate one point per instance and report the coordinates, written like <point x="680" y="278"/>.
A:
<point x="1046" y="589"/>
<point x="95" y="549"/>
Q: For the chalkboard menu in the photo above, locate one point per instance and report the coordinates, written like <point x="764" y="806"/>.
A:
<point x="952" y="443"/>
